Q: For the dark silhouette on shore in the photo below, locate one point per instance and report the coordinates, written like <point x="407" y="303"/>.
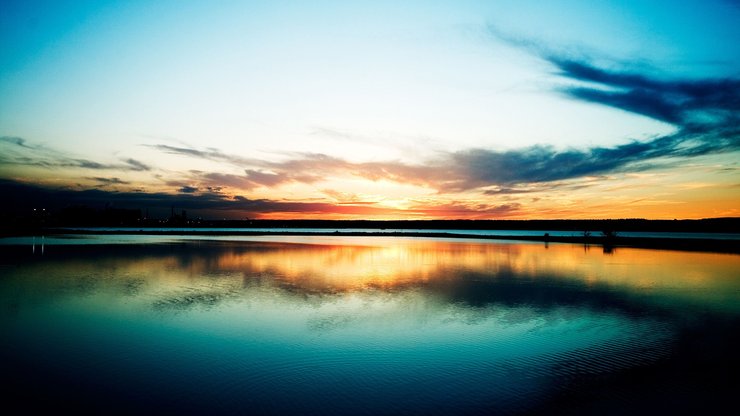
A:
<point x="86" y="216"/>
<point x="606" y="233"/>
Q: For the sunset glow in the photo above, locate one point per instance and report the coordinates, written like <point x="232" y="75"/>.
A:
<point x="376" y="110"/>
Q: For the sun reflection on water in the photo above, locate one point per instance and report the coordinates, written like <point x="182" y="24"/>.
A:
<point x="212" y="271"/>
<point x="434" y="324"/>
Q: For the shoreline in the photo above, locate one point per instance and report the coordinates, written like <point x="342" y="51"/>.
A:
<point x="608" y="243"/>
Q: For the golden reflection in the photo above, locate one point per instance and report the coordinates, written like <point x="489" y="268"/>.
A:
<point x="352" y="267"/>
<point x="348" y="266"/>
<point x="351" y="264"/>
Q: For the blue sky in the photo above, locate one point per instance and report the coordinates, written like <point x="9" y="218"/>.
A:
<point x="394" y="109"/>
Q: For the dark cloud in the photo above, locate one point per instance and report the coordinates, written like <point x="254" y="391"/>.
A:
<point x="510" y="171"/>
<point x="208" y="154"/>
<point x="186" y="151"/>
<point x="20" y="197"/>
<point x="109" y="181"/>
<point x="19" y="141"/>
<point x="636" y="101"/>
<point x="221" y="180"/>
<point x="252" y="178"/>
<point x="705" y="112"/>
<point x="265" y="178"/>
<point x="82" y="163"/>
<point x="480" y="168"/>
<point x="507" y="191"/>
<point x="460" y="210"/>
<point x="23" y="154"/>
<point x="137" y="165"/>
<point x="679" y="102"/>
<point x="33" y="195"/>
<point x="128" y="165"/>
<point x="188" y="190"/>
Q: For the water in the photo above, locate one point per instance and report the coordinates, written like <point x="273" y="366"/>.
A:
<point x="487" y="233"/>
<point x="364" y="325"/>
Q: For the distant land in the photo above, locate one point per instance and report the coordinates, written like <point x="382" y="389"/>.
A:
<point x="30" y="209"/>
<point x="132" y="218"/>
<point x="604" y="232"/>
<point x="18" y="218"/>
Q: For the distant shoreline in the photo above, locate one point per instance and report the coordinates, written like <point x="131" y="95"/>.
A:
<point x="706" y="225"/>
<point x="607" y="242"/>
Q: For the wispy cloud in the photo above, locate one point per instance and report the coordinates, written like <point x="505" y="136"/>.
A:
<point x="109" y="181"/>
<point x="493" y="172"/>
<point x="342" y="197"/>
<point x="136" y="165"/>
<point x="683" y="102"/>
<point x="705" y="112"/>
<point x="18" y="151"/>
<point x="631" y="85"/>
<point x="462" y="210"/>
<point x="18" y="141"/>
<point x="212" y="154"/>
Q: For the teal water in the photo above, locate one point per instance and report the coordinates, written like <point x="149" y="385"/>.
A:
<point x="365" y="325"/>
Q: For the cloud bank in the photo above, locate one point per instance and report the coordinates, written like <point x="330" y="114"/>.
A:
<point x="23" y="197"/>
<point x="705" y="113"/>
<point x="17" y="151"/>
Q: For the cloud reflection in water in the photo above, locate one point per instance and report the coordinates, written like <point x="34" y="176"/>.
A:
<point x="442" y="323"/>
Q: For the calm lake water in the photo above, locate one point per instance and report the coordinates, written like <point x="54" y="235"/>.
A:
<point x="364" y="325"/>
<point x="522" y="233"/>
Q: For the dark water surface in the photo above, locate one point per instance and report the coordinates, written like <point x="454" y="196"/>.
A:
<point x="363" y="325"/>
<point x="482" y="233"/>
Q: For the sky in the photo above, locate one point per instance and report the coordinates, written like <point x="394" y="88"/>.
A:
<point x="373" y="110"/>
